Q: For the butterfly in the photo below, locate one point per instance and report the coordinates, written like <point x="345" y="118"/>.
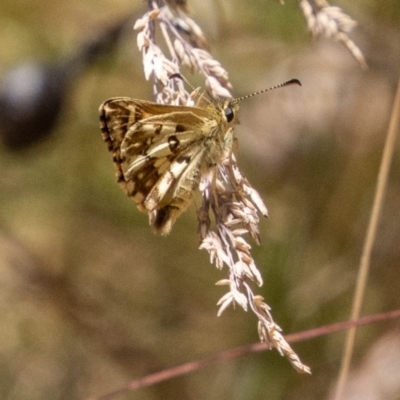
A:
<point x="161" y="151"/>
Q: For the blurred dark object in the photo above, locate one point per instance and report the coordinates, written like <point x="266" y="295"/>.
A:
<point x="33" y="94"/>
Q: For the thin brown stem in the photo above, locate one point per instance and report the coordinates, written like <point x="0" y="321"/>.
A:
<point x="369" y="241"/>
<point x="192" y="366"/>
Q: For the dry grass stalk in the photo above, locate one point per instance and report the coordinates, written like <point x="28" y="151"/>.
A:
<point x="331" y="22"/>
<point x="226" y="193"/>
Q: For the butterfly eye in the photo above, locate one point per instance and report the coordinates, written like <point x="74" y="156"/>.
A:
<point x="229" y="114"/>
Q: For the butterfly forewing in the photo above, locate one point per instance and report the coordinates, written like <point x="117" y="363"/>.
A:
<point x="160" y="152"/>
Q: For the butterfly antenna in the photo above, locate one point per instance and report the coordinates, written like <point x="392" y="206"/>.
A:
<point x="178" y="75"/>
<point x="195" y="90"/>
<point x="287" y="83"/>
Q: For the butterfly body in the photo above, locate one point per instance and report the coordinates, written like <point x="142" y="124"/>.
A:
<point x="161" y="151"/>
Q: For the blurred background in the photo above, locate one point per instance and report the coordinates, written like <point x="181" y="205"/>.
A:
<point x="90" y="298"/>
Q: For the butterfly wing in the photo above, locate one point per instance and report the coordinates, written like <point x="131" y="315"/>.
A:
<point x="158" y="151"/>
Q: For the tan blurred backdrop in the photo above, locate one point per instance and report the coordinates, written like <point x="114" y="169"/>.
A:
<point x="90" y="298"/>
